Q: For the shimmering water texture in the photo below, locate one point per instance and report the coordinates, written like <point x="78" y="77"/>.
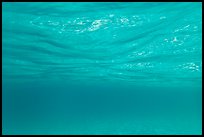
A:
<point x="102" y="68"/>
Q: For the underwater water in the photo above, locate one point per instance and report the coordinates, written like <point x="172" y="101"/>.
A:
<point x="102" y="68"/>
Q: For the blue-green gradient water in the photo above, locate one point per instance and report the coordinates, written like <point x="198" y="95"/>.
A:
<point x="102" y="68"/>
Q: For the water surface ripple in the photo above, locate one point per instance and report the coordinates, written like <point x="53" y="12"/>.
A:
<point x="137" y="43"/>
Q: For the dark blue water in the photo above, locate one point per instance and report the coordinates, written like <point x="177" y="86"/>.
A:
<point x="102" y="68"/>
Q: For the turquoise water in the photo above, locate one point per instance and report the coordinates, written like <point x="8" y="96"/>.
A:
<point x="102" y="68"/>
